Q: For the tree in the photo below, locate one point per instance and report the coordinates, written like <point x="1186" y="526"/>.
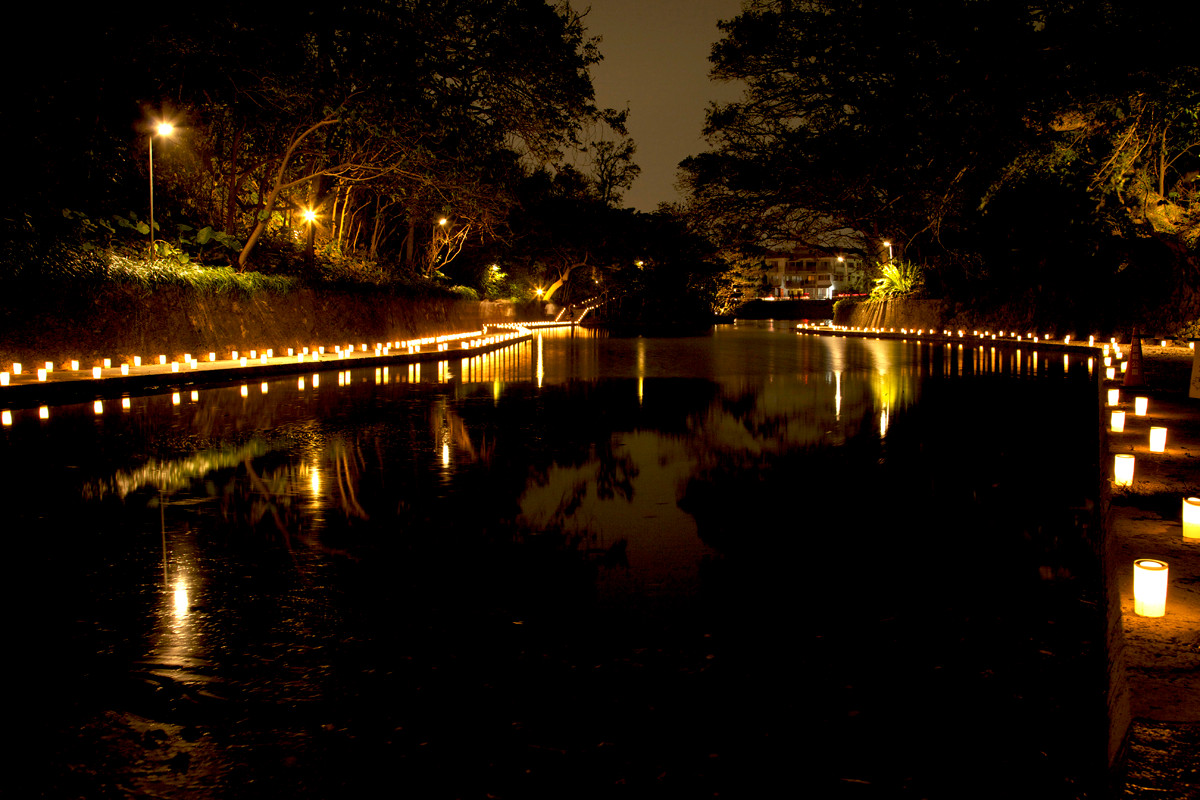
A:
<point x="396" y="109"/>
<point x="936" y="125"/>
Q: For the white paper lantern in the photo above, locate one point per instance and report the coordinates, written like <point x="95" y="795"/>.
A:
<point x="1191" y="519"/>
<point x="1123" y="469"/>
<point x="1150" y="587"/>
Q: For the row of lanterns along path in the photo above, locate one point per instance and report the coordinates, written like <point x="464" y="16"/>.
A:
<point x="1150" y="575"/>
<point x="452" y="344"/>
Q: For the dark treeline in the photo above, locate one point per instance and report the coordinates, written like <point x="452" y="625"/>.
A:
<point x="411" y="140"/>
<point x="1042" y="151"/>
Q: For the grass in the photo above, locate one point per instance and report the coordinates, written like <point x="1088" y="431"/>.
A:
<point x="205" y="280"/>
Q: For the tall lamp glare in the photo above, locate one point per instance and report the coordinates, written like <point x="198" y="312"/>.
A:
<point x="163" y="129"/>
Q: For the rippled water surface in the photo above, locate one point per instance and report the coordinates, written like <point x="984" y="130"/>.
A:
<point x="688" y="565"/>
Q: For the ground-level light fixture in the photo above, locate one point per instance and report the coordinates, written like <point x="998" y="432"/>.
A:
<point x="1191" y="519"/>
<point x="1118" y="422"/>
<point x="1150" y="587"/>
<point x="1140" y="406"/>
<point x="1123" y="469"/>
<point x="1158" y="440"/>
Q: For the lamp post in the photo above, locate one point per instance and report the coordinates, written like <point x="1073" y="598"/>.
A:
<point x="163" y="129"/>
<point x="436" y="243"/>
<point x="888" y="245"/>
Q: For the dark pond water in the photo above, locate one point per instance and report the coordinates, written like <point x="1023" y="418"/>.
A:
<point x="583" y="566"/>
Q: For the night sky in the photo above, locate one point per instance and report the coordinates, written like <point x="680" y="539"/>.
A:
<point x="656" y="63"/>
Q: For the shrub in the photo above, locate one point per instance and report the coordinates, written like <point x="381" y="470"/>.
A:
<point x="898" y="279"/>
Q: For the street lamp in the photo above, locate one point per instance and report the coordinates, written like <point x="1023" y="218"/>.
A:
<point x="164" y="129"/>
<point x="888" y="245"/>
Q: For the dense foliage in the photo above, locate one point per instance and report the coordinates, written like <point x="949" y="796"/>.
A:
<point x="381" y="117"/>
<point x="1013" y="146"/>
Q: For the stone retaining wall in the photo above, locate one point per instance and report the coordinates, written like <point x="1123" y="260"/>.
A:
<point x="119" y="322"/>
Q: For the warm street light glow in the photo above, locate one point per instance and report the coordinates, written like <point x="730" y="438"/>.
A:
<point x="163" y="129"/>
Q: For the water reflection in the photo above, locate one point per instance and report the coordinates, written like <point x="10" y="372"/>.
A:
<point x="451" y="567"/>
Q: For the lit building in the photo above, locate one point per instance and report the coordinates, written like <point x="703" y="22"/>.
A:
<point x="811" y="275"/>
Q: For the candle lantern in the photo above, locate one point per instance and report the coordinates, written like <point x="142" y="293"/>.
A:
<point x="1150" y="587"/>
<point x="74" y="366"/>
<point x="1158" y="440"/>
<point x="1118" y="422"/>
<point x="16" y="370"/>
<point x="108" y="363"/>
<point x="1123" y="469"/>
<point x="6" y="417"/>
<point x="162" y="360"/>
<point x="1114" y="396"/>
<point x="124" y="369"/>
<point x="137" y="361"/>
<point x="4" y="378"/>
<point x="1140" y="405"/>
<point x="44" y="412"/>
<point x="98" y="407"/>
<point x="1110" y="373"/>
<point x="41" y="373"/>
<point x="1191" y="519"/>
